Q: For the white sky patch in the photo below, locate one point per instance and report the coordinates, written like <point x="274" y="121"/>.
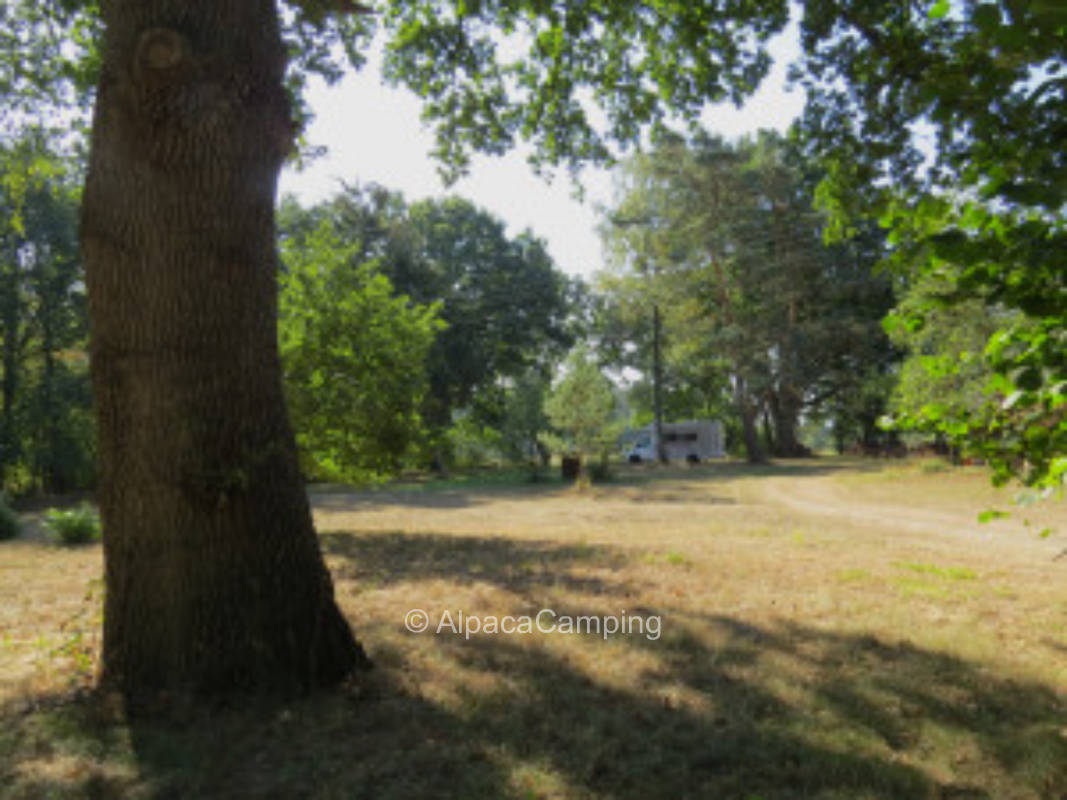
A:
<point x="374" y="134"/>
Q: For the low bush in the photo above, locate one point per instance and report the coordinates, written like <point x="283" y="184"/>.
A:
<point x="79" y="525"/>
<point x="600" y="471"/>
<point x="10" y="525"/>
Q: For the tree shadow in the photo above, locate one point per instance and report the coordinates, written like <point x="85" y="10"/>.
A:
<point x="368" y="499"/>
<point x="713" y="471"/>
<point x="1060" y="647"/>
<point x="513" y="564"/>
<point x="375" y="739"/>
<point x="717" y="706"/>
<point x="663" y="484"/>
<point x="340" y="498"/>
<point x="382" y="739"/>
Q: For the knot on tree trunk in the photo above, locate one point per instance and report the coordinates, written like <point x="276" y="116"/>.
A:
<point x="159" y="49"/>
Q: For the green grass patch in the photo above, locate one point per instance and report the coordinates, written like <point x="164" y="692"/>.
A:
<point x="672" y="557"/>
<point x="490" y="478"/>
<point x="949" y="573"/>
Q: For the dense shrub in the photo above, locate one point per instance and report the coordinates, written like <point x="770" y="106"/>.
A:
<point x="600" y="471"/>
<point x="74" y="526"/>
<point x="10" y="525"/>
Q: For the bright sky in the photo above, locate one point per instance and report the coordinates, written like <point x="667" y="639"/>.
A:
<point x="374" y="134"/>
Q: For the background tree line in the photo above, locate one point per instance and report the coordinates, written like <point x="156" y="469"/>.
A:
<point x="449" y="363"/>
<point x="46" y="427"/>
<point x="420" y="334"/>
<point x="410" y="334"/>
<point x="971" y="228"/>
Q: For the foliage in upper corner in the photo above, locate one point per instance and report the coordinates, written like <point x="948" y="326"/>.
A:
<point x="1008" y="267"/>
<point x="50" y="59"/>
<point x="490" y="72"/>
<point x="49" y="62"/>
<point x="946" y="121"/>
<point x="354" y="357"/>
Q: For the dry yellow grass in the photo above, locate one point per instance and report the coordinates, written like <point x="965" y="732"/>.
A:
<point x="828" y="629"/>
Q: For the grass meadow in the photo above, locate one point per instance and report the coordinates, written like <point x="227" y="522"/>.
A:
<point x="830" y="628"/>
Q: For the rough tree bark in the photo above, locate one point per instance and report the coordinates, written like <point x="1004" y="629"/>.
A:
<point x="747" y="411"/>
<point x="214" y="576"/>
<point x="657" y="384"/>
<point x="785" y="409"/>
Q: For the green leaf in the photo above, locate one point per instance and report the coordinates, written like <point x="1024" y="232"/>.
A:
<point x="992" y="514"/>
<point x="938" y="9"/>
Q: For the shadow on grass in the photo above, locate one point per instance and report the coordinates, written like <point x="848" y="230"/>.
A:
<point x="443" y="496"/>
<point x="720" y="708"/>
<point x="558" y="733"/>
<point x="513" y="564"/>
<point x="662" y="482"/>
<point x="726" y="470"/>
<point x="1059" y="647"/>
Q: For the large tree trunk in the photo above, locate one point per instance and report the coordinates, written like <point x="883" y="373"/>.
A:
<point x="747" y="410"/>
<point x="214" y="576"/>
<point x="785" y="408"/>
<point x="657" y="384"/>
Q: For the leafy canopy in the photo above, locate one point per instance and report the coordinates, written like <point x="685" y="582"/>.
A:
<point x="946" y="121"/>
<point x="354" y="356"/>
<point x="569" y="77"/>
<point x="505" y="303"/>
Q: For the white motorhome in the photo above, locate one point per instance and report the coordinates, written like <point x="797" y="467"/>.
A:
<point x="695" y="440"/>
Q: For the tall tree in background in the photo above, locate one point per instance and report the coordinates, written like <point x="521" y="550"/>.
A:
<point x="354" y="356"/>
<point x="504" y="303"/>
<point x="644" y="254"/>
<point x="746" y="282"/>
<point x="525" y="420"/>
<point x="213" y="572"/>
